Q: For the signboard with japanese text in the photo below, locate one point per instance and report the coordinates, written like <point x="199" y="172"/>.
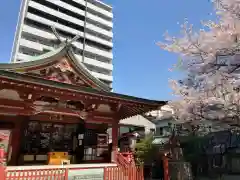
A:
<point x="86" y="174"/>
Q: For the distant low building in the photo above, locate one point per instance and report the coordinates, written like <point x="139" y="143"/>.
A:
<point x="139" y="121"/>
<point x="163" y="120"/>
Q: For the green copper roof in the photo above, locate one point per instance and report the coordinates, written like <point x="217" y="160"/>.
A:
<point x="34" y="60"/>
<point x="47" y="55"/>
<point x="64" y="50"/>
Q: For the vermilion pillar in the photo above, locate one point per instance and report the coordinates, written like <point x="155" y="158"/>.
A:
<point x="15" y="142"/>
<point x="165" y="167"/>
<point x="2" y="160"/>
<point x="114" y="141"/>
<point x="2" y="172"/>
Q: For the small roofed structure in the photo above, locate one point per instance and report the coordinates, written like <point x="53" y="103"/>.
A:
<point x="52" y="103"/>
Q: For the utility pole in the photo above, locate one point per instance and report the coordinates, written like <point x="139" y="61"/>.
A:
<point x="84" y="33"/>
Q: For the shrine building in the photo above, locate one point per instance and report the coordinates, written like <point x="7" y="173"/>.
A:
<point x="52" y="103"/>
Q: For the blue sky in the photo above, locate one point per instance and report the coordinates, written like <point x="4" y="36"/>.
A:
<point x="140" y="67"/>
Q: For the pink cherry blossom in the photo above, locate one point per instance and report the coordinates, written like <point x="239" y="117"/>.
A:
<point x="211" y="59"/>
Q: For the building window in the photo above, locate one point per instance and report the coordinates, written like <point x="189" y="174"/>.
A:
<point x="161" y="131"/>
<point x="152" y="130"/>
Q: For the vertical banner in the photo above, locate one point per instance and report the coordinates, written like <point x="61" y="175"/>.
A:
<point x="4" y="144"/>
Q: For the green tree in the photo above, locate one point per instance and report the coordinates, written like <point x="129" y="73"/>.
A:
<point x="143" y="150"/>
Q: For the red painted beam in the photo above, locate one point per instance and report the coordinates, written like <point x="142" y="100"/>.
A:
<point x="13" y="103"/>
<point x="15" y="111"/>
<point x="68" y="93"/>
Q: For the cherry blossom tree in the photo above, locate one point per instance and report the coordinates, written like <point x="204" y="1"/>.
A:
<point x="211" y="49"/>
<point x="211" y="60"/>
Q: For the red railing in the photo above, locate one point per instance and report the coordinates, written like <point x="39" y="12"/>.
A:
<point x="129" y="157"/>
<point x="129" y="169"/>
<point x="110" y="173"/>
<point x="32" y="174"/>
<point x="117" y="173"/>
<point x="126" y="170"/>
<point x="123" y="160"/>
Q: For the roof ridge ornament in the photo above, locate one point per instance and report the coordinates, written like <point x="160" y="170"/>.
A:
<point x="66" y="42"/>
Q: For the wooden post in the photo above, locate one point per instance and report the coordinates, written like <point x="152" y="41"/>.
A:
<point x="114" y="141"/>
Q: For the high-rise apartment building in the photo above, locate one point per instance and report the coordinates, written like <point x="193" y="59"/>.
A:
<point x="90" y="19"/>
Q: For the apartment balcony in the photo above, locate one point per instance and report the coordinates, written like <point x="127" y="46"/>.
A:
<point x="99" y="30"/>
<point x="69" y="18"/>
<point x="93" y="50"/>
<point x="77" y="44"/>
<point x="38" y="47"/>
<point x="99" y="52"/>
<point x="34" y="46"/>
<point x="99" y="20"/>
<point x="39" y="33"/>
<point x="102" y="76"/>
<point x="95" y="8"/>
<point x="47" y="35"/>
<point x="23" y="57"/>
<point x="81" y="12"/>
<point x="96" y="63"/>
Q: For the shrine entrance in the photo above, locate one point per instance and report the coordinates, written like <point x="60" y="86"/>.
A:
<point x="39" y="137"/>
